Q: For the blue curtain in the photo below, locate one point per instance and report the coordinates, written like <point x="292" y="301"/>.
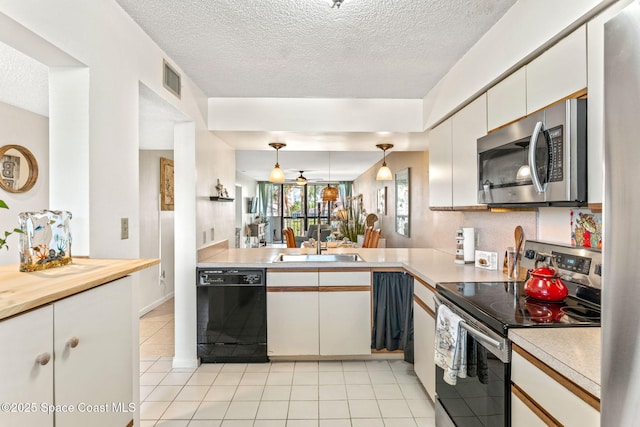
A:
<point x="393" y="313"/>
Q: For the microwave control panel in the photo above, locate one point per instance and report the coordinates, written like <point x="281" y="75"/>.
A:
<point x="556" y="157"/>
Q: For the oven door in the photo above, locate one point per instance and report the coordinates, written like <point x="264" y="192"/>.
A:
<point x="483" y="397"/>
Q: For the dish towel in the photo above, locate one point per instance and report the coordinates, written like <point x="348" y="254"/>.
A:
<point x="450" y="345"/>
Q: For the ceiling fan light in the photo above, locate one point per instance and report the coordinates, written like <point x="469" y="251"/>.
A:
<point x="276" y="174"/>
<point x="301" y="180"/>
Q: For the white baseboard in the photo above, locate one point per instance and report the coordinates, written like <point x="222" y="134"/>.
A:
<point x="157" y="303"/>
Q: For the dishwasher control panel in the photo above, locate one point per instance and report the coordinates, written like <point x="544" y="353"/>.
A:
<point x="213" y="277"/>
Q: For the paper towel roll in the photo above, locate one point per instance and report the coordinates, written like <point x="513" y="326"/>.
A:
<point x="469" y="244"/>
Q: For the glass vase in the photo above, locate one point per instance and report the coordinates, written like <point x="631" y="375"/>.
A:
<point x="45" y="241"/>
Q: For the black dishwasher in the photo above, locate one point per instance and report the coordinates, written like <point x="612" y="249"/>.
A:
<point x="232" y="315"/>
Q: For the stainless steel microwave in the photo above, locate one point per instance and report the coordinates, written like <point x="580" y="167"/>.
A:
<point x="540" y="160"/>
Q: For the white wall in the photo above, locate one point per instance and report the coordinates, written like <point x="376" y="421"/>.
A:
<point x="156" y="234"/>
<point x="21" y="127"/>
<point x="249" y="189"/>
<point x="119" y="55"/>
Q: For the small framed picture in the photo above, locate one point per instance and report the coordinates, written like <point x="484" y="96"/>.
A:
<point x="382" y="200"/>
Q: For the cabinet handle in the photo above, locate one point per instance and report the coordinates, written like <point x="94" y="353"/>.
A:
<point x="73" y="342"/>
<point x="43" y="358"/>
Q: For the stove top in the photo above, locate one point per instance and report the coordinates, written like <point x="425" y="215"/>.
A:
<point x="504" y="305"/>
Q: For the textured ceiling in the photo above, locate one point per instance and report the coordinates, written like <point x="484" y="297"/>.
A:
<point x="305" y="48"/>
<point x="24" y="82"/>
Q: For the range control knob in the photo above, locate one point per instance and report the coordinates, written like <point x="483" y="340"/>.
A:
<point x="530" y="254"/>
<point x="598" y="269"/>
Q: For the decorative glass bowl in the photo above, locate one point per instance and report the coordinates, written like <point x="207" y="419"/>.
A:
<point x="45" y="241"/>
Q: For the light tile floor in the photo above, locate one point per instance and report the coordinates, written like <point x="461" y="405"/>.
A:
<point x="354" y="393"/>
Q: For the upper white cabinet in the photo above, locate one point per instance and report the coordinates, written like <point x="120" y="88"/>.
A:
<point x="468" y="125"/>
<point x="453" y="156"/>
<point x="595" y="110"/>
<point x="440" y="163"/>
<point x="559" y="72"/>
<point x="507" y="100"/>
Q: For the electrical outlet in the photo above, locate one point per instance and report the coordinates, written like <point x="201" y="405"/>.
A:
<point x="212" y="234"/>
<point x="124" y="228"/>
<point x="204" y="237"/>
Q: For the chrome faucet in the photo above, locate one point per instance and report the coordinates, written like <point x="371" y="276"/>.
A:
<point x="319" y="242"/>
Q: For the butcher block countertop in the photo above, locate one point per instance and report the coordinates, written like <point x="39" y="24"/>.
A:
<point x="20" y="291"/>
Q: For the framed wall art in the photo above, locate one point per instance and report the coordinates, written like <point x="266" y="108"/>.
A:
<point x="166" y="184"/>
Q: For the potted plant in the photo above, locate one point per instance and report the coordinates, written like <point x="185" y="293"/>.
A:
<point x="3" y="238"/>
<point x="354" y="223"/>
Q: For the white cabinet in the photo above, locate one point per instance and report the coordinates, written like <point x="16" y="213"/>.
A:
<point x="345" y="313"/>
<point x="27" y="375"/>
<point x="595" y="110"/>
<point x="559" y="72"/>
<point x="313" y="313"/>
<point x="526" y="413"/>
<point x="440" y="163"/>
<point x="292" y="313"/>
<point x="88" y="338"/>
<point x="507" y="100"/>
<point x="557" y="396"/>
<point x="424" y="327"/>
<point x="97" y="370"/>
<point x="468" y="125"/>
<point x="453" y="157"/>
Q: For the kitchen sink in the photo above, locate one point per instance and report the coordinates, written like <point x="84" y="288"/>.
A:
<point x="318" y="258"/>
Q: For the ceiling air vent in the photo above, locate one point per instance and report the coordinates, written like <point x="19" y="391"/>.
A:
<point x="171" y="79"/>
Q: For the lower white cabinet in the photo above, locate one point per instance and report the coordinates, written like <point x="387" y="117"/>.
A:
<point x="424" y="329"/>
<point x="87" y="379"/>
<point x="26" y="368"/>
<point x="540" y="394"/>
<point x="311" y="313"/>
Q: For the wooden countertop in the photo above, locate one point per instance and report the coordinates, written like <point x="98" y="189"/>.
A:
<point x="20" y="291"/>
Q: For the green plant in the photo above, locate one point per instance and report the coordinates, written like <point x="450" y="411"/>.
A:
<point x="3" y="240"/>
<point x="353" y="225"/>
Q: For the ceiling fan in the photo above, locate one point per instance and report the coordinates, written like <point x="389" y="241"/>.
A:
<point x="301" y="179"/>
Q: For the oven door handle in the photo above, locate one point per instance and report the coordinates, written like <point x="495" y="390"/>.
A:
<point x="498" y="346"/>
<point x="482" y="337"/>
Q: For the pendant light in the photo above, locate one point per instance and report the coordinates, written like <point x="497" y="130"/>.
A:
<point x="384" y="173"/>
<point x="276" y="174"/>
<point x="301" y="180"/>
<point x="329" y="193"/>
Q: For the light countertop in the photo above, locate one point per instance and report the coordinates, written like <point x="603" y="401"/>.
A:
<point x="21" y="291"/>
<point x="573" y="352"/>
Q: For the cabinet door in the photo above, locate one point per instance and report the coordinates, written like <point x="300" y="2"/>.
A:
<point x="292" y="313"/>
<point x="507" y="100"/>
<point x="25" y="378"/>
<point x="424" y="325"/>
<point x="345" y="312"/>
<point x="468" y="125"/>
<point x="440" y="179"/>
<point x="97" y="370"/>
<point x="292" y="323"/>
<point x="595" y="110"/>
<point x="559" y="72"/>
<point x="523" y="414"/>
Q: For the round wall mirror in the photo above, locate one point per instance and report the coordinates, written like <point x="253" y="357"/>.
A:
<point x="18" y="169"/>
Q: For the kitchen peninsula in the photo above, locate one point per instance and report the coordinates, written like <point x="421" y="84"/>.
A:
<point x="79" y="321"/>
<point x="428" y="267"/>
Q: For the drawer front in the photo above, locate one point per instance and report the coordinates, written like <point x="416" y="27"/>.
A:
<point x="292" y="278"/>
<point x="424" y="292"/>
<point x="345" y="278"/>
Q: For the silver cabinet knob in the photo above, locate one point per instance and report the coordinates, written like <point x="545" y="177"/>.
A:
<point x="43" y="358"/>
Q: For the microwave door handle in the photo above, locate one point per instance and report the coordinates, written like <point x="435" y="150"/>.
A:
<point x="532" y="158"/>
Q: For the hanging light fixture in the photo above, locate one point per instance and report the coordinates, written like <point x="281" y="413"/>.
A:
<point x="276" y="174"/>
<point x="301" y="180"/>
<point x="329" y="193"/>
<point x="384" y="173"/>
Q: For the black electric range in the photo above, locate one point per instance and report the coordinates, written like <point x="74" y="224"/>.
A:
<point x="504" y="305"/>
